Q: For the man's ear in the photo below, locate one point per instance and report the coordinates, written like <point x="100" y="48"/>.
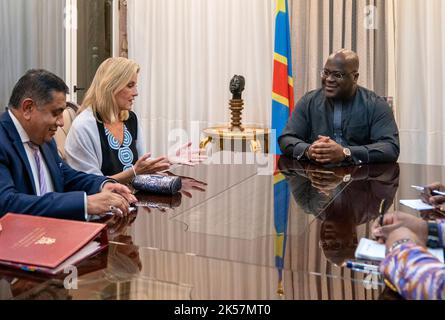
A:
<point x="27" y="107"/>
<point x="356" y="77"/>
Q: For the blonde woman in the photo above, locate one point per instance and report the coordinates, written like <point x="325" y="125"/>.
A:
<point x="105" y="138"/>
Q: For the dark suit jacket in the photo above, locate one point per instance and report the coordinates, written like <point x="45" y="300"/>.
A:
<point x="17" y="187"/>
<point x="368" y="127"/>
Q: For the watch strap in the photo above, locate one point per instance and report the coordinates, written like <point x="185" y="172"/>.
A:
<point x="433" y="240"/>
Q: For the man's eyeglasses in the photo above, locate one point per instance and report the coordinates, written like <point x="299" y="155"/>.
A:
<point x="336" y="74"/>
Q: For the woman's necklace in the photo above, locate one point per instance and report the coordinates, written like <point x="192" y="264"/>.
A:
<point x="117" y="130"/>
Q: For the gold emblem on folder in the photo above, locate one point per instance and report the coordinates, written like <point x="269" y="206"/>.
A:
<point x="46" y="241"/>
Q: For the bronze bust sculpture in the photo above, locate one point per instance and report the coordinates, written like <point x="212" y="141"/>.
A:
<point x="235" y="136"/>
<point x="237" y="86"/>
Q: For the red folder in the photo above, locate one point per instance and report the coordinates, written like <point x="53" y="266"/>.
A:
<point x="48" y="245"/>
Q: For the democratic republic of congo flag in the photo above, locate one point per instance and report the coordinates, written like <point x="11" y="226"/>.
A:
<point x="283" y="86"/>
<point x="281" y="208"/>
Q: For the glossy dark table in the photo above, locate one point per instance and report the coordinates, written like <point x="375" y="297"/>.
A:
<point x="235" y="232"/>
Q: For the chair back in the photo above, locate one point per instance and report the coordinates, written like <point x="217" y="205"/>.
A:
<point x="62" y="132"/>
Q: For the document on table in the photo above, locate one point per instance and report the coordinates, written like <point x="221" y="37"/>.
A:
<point x="372" y="250"/>
<point x="416" y="204"/>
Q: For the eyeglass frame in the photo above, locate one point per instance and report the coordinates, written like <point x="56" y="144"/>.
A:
<point x="329" y="73"/>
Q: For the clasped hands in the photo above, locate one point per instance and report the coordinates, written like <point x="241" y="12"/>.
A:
<point x="114" y="197"/>
<point x="326" y="180"/>
<point x="325" y="151"/>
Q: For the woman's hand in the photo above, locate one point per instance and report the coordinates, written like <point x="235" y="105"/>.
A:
<point x="145" y="165"/>
<point x="189" y="184"/>
<point x="186" y="156"/>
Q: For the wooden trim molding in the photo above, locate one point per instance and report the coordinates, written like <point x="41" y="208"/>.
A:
<point x="123" y="36"/>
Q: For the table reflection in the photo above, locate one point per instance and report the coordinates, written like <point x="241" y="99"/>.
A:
<point x="342" y="198"/>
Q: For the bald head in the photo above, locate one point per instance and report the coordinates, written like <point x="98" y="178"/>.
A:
<point x="340" y="75"/>
<point x="348" y="58"/>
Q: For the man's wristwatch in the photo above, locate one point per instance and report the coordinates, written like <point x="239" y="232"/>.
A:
<point x="433" y="235"/>
<point x="347" y="153"/>
<point x="306" y="153"/>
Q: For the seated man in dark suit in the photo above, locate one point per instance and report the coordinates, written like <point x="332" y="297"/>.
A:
<point x="34" y="179"/>
<point x="341" y="123"/>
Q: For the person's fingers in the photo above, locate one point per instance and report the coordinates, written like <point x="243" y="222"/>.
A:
<point x="189" y="164"/>
<point x="323" y="180"/>
<point x="199" y="153"/>
<point x="428" y="191"/>
<point x="437" y="200"/>
<point x="389" y="219"/>
<point x="323" y="161"/>
<point x="319" y="156"/>
<point x="320" y="175"/>
<point x="121" y="188"/>
<point x="183" y="148"/>
<point x="326" y="177"/>
<point x="115" y="187"/>
<point x="433" y="186"/>
<point x="387" y="229"/>
<point x="321" y="148"/>
<point x="377" y="233"/>
<point x="161" y="166"/>
<point x="164" y="167"/>
<point x="324" y="155"/>
<point x="125" y="192"/>
<point x="324" y="139"/>
<point x="145" y="157"/>
<point x="425" y="197"/>
<point x="130" y="198"/>
<point x="375" y="224"/>
<point x="154" y="165"/>
<point x="380" y="240"/>
<point x="186" y="193"/>
<point x="198" y="188"/>
<point x="441" y="208"/>
<point x="113" y="190"/>
<point x="318" y="145"/>
<point x="198" y="158"/>
<point x="318" y="185"/>
<point x="187" y="145"/>
<point x="324" y="192"/>
<point x="117" y="224"/>
<point x="119" y="202"/>
<point x="155" y="161"/>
